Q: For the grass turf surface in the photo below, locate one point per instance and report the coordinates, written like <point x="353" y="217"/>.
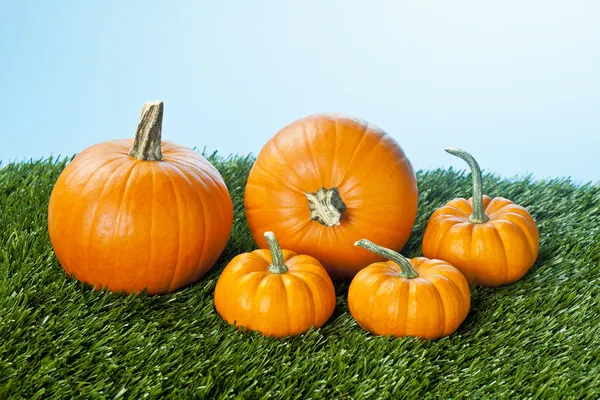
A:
<point x="539" y="337"/>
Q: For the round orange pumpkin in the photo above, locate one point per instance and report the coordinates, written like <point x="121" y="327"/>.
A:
<point x="277" y="293"/>
<point x="492" y="242"/>
<point x="325" y="181"/>
<point x="134" y="215"/>
<point x="418" y="297"/>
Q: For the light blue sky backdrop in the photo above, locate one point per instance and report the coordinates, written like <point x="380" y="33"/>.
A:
<point x="516" y="83"/>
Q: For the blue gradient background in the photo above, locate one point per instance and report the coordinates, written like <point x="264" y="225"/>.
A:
<point x="515" y="83"/>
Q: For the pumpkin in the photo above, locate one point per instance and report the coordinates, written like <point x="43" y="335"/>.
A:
<point x="276" y="292"/>
<point x="492" y="241"/>
<point x="420" y="297"/>
<point x="325" y="181"/>
<point x="139" y="214"/>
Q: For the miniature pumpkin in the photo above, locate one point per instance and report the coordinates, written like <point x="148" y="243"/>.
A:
<point x="491" y="241"/>
<point x="277" y="293"/>
<point x="418" y="297"/>
<point x="325" y="181"/>
<point x="139" y="214"/>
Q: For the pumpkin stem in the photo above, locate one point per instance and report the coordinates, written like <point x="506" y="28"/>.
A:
<point x="478" y="216"/>
<point x="277" y="264"/>
<point x="326" y="206"/>
<point x="407" y="271"/>
<point x="146" y="144"/>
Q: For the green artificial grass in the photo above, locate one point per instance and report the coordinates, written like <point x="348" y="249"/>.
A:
<point x="537" y="338"/>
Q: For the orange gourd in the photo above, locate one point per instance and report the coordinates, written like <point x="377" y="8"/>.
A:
<point x="277" y="293"/>
<point x="139" y="214"/>
<point x="325" y="181"/>
<point x="491" y="241"/>
<point x="420" y="297"/>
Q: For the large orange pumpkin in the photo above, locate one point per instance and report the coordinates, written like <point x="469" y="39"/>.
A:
<point x="139" y="214"/>
<point x="491" y="241"/>
<point x="323" y="182"/>
<point x="276" y="292"/>
<point x="400" y="297"/>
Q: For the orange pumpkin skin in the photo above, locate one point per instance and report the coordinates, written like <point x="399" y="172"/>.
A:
<point x="493" y="253"/>
<point x="130" y="224"/>
<point x="373" y="177"/>
<point x="275" y="304"/>
<point x="430" y="306"/>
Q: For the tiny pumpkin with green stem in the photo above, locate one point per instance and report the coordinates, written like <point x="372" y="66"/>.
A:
<point x="139" y="214"/>
<point x="275" y="292"/>
<point x="419" y="297"/>
<point x="492" y="242"/>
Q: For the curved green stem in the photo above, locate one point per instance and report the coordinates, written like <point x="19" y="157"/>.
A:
<point x="277" y="265"/>
<point x="407" y="270"/>
<point x="147" y="141"/>
<point x="478" y="216"/>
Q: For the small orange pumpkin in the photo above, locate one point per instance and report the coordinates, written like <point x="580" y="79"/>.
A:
<point x="323" y="182"/>
<point x="133" y="215"/>
<point x="277" y="293"/>
<point x="418" y="297"/>
<point x="492" y="242"/>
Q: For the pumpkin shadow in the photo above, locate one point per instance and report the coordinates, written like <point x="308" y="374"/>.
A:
<point x="341" y="310"/>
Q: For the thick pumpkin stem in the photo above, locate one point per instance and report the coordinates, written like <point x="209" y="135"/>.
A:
<point x="326" y="206"/>
<point x="407" y="271"/>
<point x="277" y="265"/>
<point x="478" y="216"/>
<point x="146" y="144"/>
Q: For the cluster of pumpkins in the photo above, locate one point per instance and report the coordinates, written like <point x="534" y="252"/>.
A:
<point x="337" y="194"/>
